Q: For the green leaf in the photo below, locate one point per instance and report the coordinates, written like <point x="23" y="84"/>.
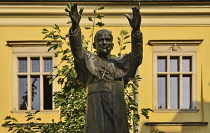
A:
<point x="90" y="18"/>
<point x="14" y="119"/>
<point x="10" y="128"/>
<point x="49" y="49"/>
<point x="100" y="24"/>
<point x="123" y="48"/>
<point x="52" y="32"/>
<point x="68" y="22"/>
<point x="101" y="7"/>
<point x="67" y="10"/>
<point x="72" y="91"/>
<point x="91" y="35"/>
<point x="56" y="27"/>
<point x="46" y="36"/>
<point x="39" y="119"/>
<point x="6" y="123"/>
<point x="8" y="118"/>
<point x="87" y="27"/>
<point x="127" y="42"/>
<point x="118" y="38"/>
<point x="124" y="32"/>
<point x="44" y="31"/>
<point x="49" y="43"/>
<point x="37" y="111"/>
<point x="126" y="37"/>
<point x="29" y="118"/>
<point x="145" y="112"/>
<point x="56" y="37"/>
<point x="99" y="16"/>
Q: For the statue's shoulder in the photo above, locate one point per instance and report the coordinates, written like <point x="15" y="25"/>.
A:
<point x="89" y="56"/>
<point x="120" y="58"/>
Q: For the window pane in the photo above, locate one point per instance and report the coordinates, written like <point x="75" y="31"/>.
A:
<point x="186" y="87"/>
<point x="162" y="64"/>
<point x="186" y="64"/>
<point x="35" y="93"/>
<point x="22" y="65"/>
<point x="47" y="64"/>
<point x="23" y="93"/>
<point x="161" y="92"/>
<point x="35" y="64"/>
<point x="174" y="92"/>
<point x="174" y="64"/>
<point x="47" y="93"/>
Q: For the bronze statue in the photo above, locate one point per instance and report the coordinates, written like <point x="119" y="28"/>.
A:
<point x="105" y="76"/>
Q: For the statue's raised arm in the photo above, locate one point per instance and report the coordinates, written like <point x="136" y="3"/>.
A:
<point x="75" y="16"/>
<point x="135" y="21"/>
<point x="75" y="32"/>
<point x="136" y="35"/>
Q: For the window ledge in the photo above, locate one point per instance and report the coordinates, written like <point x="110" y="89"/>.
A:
<point x="175" y="110"/>
<point x="176" y="123"/>
<point x="30" y="43"/>
<point x="36" y="124"/>
<point x="194" y="42"/>
<point x="32" y="111"/>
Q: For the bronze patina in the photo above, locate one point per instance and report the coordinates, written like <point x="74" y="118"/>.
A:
<point x="105" y="76"/>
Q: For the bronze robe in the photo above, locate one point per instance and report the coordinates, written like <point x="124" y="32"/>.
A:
<point x="104" y="80"/>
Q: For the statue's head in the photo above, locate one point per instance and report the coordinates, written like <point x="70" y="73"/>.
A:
<point x="103" y="43"/>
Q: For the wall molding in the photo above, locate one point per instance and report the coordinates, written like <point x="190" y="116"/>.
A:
<point x="152" y="15"/>
<point x="176" y="123"/>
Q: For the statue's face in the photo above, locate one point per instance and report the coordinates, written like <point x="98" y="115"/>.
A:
<point x="103" y="45"/>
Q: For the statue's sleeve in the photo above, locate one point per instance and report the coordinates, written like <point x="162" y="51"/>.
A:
<point x="78" y="53"/>
<point x="137" y="47"/>
<point x="75" y="42"/>
<point x="136" y="54"/>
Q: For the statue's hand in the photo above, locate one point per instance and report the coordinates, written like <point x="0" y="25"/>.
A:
<point x="135" y="21"/>
<point x="75" y="16"/>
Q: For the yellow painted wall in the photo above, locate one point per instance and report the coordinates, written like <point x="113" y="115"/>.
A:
<point x="203" y="83"/>
<point x="8" y="34"/>
<point x="145" y="70"/>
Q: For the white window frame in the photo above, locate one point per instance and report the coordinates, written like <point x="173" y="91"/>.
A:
<point x="177" y="48"/>
<point x="30" y="49"/>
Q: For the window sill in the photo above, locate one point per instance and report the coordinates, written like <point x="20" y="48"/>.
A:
<point x="32" y="111"/>
<point x="176" y="123"/>
<point x="175" y="110"/>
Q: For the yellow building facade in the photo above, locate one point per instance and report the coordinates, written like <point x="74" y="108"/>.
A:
<point x="175" y="69"/>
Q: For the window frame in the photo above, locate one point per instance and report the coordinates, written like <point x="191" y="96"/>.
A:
<point x="171" y="48"/>
<point x="30" y="49"/>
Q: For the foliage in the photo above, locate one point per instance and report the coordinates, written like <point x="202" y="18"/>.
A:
<point x="93" y="20"/>
<point x="30" y="127"/>
<point x="122" y="41"/>
<point x="131" y="89"/>
<point x="71" y="99"/>
<point x="157" y="131"/>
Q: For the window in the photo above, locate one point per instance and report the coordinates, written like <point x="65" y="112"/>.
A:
<point x="174" y="69"/>
<point x="33" y="84"/>
<point x="32" y="65"/>
<point x="174" y="81"/>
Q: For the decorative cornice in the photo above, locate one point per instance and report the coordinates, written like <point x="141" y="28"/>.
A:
<point x="175" y="110"/>
<point x="176" y="123"/>
<point x="152" y="15"/>
<point x="30" y="43"/>
<point x="177" y="42"/>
